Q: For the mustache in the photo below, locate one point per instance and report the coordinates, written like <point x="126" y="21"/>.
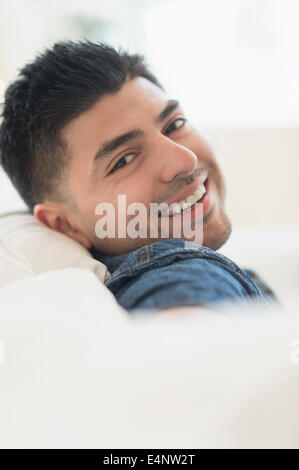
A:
<point x="182" y="182"/>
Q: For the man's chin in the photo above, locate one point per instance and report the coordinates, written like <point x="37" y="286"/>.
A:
<point x="216" y="235"/>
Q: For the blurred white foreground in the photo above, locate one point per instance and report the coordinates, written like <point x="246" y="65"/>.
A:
<point x="76" y="371"/>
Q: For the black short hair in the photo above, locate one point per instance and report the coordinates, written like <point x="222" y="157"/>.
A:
<point x="49" y="92"/>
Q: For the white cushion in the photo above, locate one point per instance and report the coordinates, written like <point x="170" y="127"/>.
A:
<point x="28" y="247"/>
<point x="77" y="372"/>
<point x="10" y="200"/>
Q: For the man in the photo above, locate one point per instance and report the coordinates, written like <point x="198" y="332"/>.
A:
<point x="84" y="124"/>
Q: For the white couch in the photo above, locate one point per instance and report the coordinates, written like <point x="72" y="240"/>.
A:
<point x="77" y="371"/>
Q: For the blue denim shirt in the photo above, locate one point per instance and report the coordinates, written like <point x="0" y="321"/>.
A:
<point x="175" y="272"/>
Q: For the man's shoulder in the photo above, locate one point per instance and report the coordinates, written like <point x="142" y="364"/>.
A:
<point x="160" y="253"/>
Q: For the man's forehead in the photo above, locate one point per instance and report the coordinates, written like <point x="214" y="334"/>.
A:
<point x="137" y="96"/>
<point x="114" y="113"/>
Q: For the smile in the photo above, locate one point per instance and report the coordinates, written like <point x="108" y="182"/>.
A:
<point x="184" y="205"/>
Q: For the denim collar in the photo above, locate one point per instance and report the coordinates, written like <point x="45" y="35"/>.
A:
<point x="113" y="262"/>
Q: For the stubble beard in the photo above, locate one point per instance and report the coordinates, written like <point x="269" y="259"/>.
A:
<point x="217" y="227"/>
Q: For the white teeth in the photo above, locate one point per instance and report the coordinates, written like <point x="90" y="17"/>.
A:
<point x="177" y="207"/>
<point x="203" y="188"/>
<point x="192" y="199"/>
<point x="198" y="194"/>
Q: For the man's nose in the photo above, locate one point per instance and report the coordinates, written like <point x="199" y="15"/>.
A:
<point x="175" y="159"/>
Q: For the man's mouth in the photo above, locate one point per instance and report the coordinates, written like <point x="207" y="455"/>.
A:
<point x="184" y="205"/>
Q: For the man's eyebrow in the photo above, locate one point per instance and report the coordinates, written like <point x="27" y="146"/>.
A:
<point x="113" y="144"/>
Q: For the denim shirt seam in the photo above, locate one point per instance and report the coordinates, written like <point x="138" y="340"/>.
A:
<point x="141" y="263"/>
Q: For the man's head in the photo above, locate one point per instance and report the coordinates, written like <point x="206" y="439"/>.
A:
<point x="58" y="119"/>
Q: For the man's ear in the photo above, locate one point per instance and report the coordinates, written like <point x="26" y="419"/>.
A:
<point x="55" y="216"/>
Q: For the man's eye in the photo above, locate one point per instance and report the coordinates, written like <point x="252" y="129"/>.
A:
<point x="126" y="159"/>
<point x="173" y="123"/>
<point x="123" y="161"/>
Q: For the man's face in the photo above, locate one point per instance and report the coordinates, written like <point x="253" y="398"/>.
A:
<point x="165" y="161"/>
